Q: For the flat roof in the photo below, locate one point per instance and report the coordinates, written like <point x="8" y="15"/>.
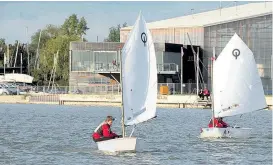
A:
<point x="214" y="17"/>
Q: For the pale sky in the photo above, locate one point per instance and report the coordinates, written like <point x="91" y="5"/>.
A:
<point x="100" y="16"/>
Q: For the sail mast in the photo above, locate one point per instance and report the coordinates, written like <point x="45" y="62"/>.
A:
<point x="211" y="95"/>
<point x="122" y="107"/>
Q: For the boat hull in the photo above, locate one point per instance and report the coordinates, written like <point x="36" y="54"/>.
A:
<point x="229" y="132"/>
<point x="127" y="144"/>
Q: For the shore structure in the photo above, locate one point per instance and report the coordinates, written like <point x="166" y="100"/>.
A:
<point x="163" y="101"/>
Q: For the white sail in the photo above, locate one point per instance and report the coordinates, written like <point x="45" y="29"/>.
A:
<point x="237" y="85"/>
<point x="139" y="75"/>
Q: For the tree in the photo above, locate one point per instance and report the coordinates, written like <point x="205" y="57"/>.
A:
<point x="82" y="27"/>
<point x="59" y="44"/>
<point x="2" y="46"/>
<point x="56" y="39"/>
<point x="51" y="31"/>
<point x="72" y="26"/>
<point x="114" y="33"/>
<point x="2" y="50"/>
<point x="53" y="39"/>
<point x="10" y="51"/>
<point x="2" y="41"/>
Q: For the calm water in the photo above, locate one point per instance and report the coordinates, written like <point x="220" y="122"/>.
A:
<point x="49" y="134"/>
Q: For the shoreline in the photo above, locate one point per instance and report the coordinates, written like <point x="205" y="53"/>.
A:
<point x="163" y="101"/>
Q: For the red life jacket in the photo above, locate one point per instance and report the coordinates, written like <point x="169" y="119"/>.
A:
<point x="206" y="92"/>
<point x="217" y="124"/>
<point x="104" y="131"/>
<point x="98" y="132"/>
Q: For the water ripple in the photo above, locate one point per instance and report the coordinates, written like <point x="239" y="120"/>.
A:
<point x="49" y="134"/>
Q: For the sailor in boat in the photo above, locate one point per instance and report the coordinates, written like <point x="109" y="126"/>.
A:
<point x="103" y="131"/>
<point x="218" y="122"/>
<point x="206" y="93"/>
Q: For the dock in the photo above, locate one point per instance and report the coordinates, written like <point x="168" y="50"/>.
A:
<point x="163" y="101"/>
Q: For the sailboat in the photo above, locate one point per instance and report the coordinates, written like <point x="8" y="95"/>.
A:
<point x="139" y="85"/>
<point x="236" y="88"/>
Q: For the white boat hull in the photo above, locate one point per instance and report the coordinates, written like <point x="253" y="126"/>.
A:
<point x="127" y="144"/>
<point x="229" y="132"/>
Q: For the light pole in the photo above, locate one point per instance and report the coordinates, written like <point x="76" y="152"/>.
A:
<point x="181" y="70"/>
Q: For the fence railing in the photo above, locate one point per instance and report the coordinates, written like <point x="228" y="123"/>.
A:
<point x="107" y="67"/>
<point x="115" y="67"/>
<point x="167" y="67"/>
<point x="174" y="88"/>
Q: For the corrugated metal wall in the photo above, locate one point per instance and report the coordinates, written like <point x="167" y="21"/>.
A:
<point x="107" y="46"/>
<point x="96" y="46"/>
<point x="176" y="35"/>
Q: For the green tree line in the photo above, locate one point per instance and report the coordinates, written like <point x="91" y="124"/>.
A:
<point x="47" y="43"/>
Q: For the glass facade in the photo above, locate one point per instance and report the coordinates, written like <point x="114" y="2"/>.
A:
<point x="90" y="61"/>
<point x="86" y="63"/>
<point x="106" y="59"/>
<point x="82" y="61"/>
<point x="255" y="32"/>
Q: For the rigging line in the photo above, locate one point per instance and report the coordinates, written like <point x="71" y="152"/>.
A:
<point x="195" y="57"/>
<point x="195" y="60"/>
<point x="202" y="78"/>
<point x="203" y="65"/>
<point x="114" y="78"/>
<point x="199" y="70"/>
<point x="133" y="130"/>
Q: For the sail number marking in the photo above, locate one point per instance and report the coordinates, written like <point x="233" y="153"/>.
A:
<point x="144" y="38"/>
<point x="236" y="53"/>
